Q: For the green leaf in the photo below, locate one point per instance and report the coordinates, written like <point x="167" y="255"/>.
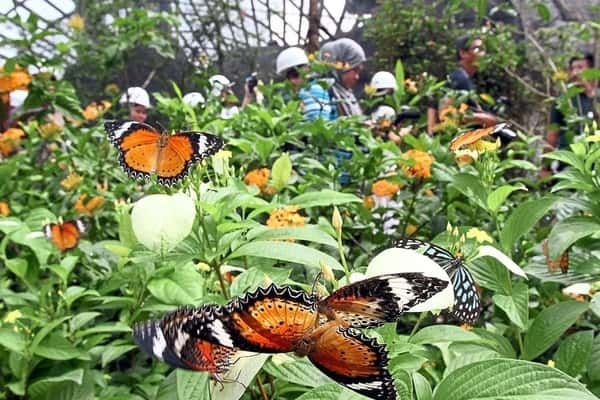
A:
<point x="109" y="327"/>
<point x="295" y="370"/>
<point x="323" y="198"/>
<point x="422" y="387"/>
<point x="43" y="385"/>
<point x="549" y="325"/>
<point x="471" y="187"/>
<point x="574" y="352"/>
<point x="522" y="219"/>
<point x="399" y="72"/>
<point x="17" y="266"/>
<point x="498" y="196"/>
<point x="444" y="333"/>
<point x="56" y="347"/>
<point x="41" y="335"/>
<point x="568" y="231"/>
<point x="239" y="376"/>
<point x="543" y="11"/>
<point x="310" y="233"/>
<point x="593" y="367"/>
<point x="515" y="305"/>
<point x="504" y="379"/>
<point x="257" y="276"/>
<point x="184" y="286"/>
<point x="331" y="391"/>
<point x="111" y="353"/>
<point x="284" y="251"/>
<point x="13" y="341"/>
<point x="281" y="171"/>
<point x="192" y="385"/>
<point x="567" y="157"/>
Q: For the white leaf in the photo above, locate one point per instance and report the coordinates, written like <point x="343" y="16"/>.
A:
<point x="491" y="251"/>
<point x="396" y="260"/>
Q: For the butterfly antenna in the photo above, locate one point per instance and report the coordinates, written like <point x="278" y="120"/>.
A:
<point x="314" y="285"/>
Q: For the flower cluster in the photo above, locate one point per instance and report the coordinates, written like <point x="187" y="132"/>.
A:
<point x="260" y="178"/>
<point x="71" y="181"/>
<point x="95" y="110"/>
<point x="285" y="217"/>
<point x="417" y="163"/>
<point x="384" y="187"/>
<point x="17" y="79"/>
<point x="4" y="209"/>
<point x="88" y="208"/>
<point x="10" y="140"/>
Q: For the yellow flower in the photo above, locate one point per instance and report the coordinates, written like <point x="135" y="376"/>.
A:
<point x="223" y="154"/>
<point x="71" y="181"/>
<point x="12" y="316"/>
<point x="112" y="89"/>
<point x="311" y="57"/>
<point x="479" y="235"/>
<point x="384" y="188"/>
<point x="410" y="85"/>
<point x="368" y="202"/>
<point x="339" y="65"/>
<point x="10" y="140"/>
<point x="258" y="177"/>
<point x="327" y="272"/>
<point x="17" y="79"/>
<point x="76" y="22"/>
<point x="467" y="327"/>
<point x="203" y="267"/>
<point x="418" y="165"/>
<point x="560" y="75"/>
<point x="410" y="229"/>
<point x="4" y="209"/>
<point x="464" y="157"/>
<point x="49" y="129"/>
<point x="91" y="112"/>
<point x="88" y="208"/>
<point x="551" y="364"/>
<point x="370" y="90"/>
<point x="484" y="146"/>
<point x="452" y="115"/>
<point x="285" y="217"/>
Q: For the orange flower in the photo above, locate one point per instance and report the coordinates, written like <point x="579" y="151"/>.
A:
<point x="368" y="202"/>
<point x="4" y="209"/>
<point x="410" y="85"/>
<point x="94" y="110"/>
<point x="258" y="177"/>
<point x="383" y="188"/>
<point x="17" y="79"/>
<point x="285" y="217"/>
<point x="88" y="209"/>
<point x="417" y="163"/>
<point x="451" y="115"/>
<point x="9" y="141"/>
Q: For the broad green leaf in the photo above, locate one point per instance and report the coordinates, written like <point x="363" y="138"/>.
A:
<point x="310" y="233"/>
<point x="476" y="353"/>
<point x="46" y="330"/>
<point x="281" y="171"/>
<point x="299" y="371"/>
<point x="549" y="325"/>
<point x="168" y="387"/>
<point x="498" y="196"/>
<point x="17" y="266"/>
<point x="255" y="277"/>
<point x="567" y="157"/>
<point x="13" y="341"/>
<point x="568" y="231"/>
<point x="516" y="305"/>
<point x="109" y="327"/>
<point x="323" y="198"/>
<point x="444" y="333"/>
<point x="422" y="387"/>
<point x="522" y="219"/>
<point x="10" y="224"/>
<point x="284" y="251"/>
<point x="471" y="187"/>
<point x="504" y="379"/>
<point x="543" y="11"/>
<point x="574" y="352"/>
<point x="331" y="391"/>
<point x="192" y="385"/>
<point x="169" y="292"/>
<point x="593" y="367"/>
<point x="42" y="385"/>
<point x="111" y="353"/>
<point x="56" y="347"/>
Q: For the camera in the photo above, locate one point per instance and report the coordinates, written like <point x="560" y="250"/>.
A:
<point x="252" y="81"/>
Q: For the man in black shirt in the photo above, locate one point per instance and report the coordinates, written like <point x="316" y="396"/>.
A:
<point x="564" y="127"/>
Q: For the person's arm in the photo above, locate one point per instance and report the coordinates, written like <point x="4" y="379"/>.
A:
<point x="432" y="120"/>
<point x="248" y="95"/>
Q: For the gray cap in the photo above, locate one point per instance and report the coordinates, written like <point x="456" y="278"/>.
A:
<point x="343" y="50"/>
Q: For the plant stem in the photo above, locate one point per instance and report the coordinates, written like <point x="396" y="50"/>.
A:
<point x="343" y="257"/>
<point x="421" y="318"/>
<point x="261" y="388"/>
<point x="411" y="207"/>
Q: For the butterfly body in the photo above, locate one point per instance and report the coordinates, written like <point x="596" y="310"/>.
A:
<point x="467" y="305"/>
<point x="66" y="235"/>
<point x="144" y="151"/>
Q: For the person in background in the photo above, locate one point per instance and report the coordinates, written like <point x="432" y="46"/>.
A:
<point x="562" y="129"/>
<point x="221" y="89"/>
<point x="138" y="100"/>
<point x="292" y="63"/>
<point x="347" y="58"/>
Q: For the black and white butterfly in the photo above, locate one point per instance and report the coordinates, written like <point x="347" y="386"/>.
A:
<point x="467" y="305"/>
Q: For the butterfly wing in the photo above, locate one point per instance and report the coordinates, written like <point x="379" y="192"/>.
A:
<point x="355" y="361"/>
<point x="438" y="254"/>
<point x="138" y="145"/>
<point x="65" y="236"/>
<point x="467" y="306"/>
<point x="471" y="137"/>
<point x="171" y="341"/>
<point x="374" y="301"/>
<point x="183" y="150"/>
<point x="271" y="320"/>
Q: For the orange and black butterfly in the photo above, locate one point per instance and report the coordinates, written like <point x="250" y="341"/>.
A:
<point x="471" y="137"/>
<point x="561" y="262"/>
<point x="144" y="151"/>
<point x="168" y="340"/>
<point x="65" y="235"/>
